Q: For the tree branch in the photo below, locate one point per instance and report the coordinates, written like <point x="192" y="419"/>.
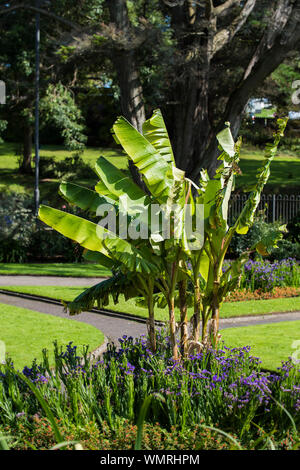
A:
<point x="268" y="60"/>
<point x="276" y="25"/>
<point x="221" y="9"/>
<point x="223" y="37"/>
<point x="71" y="24"/>
<point x="266" y="63"/>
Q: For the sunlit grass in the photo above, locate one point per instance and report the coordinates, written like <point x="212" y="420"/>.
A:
<point x="26" y="333"/>
<point x="12" y="181"/>
<point x="285" y="171"/>
<point x="54" y="269"/>
<point x="272" y="343"/>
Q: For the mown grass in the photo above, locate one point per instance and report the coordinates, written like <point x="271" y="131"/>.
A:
<point x="54" y="269"/>
<point x="228" y="309"/>
<point x="26" y="333"/>
<point x="285" y="172"/>
<point x="12" y="181"/>
<point x="272" y="343"/>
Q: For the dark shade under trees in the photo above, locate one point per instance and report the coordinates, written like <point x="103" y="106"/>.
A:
<point x="199" y="61"/>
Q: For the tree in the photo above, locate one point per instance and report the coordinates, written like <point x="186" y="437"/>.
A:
<point x="17" y="66"/>
<point x="199" y="61"/>
<point x="278" y="87"/>
<point x="207" y="58"/>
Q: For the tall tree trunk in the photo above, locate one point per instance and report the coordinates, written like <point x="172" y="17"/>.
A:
<point x="25" y="166"/>
<point x="195" y="122"/>
<point x="132" y="102"/>
<point x="192" y="126"/>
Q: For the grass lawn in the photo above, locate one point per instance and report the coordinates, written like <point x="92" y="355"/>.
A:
<point x="285" y="170"/>
<point x="54" y="269"/>
<point x="228" y="309"/>
<point x="25" y="333"/>
<point x="286" y="163"/>
<point x="11" y="180"/>
<point x="271" y="343"/>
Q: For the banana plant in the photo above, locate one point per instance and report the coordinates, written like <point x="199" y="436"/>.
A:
<point x="146" y="264"/>
<point x="155" y="267"/>
<point x="134" y="268"/>
<point x="151" y="153"/>
<point x="211" y="282"/>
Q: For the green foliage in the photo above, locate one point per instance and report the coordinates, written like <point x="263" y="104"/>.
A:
<point x="3" y="125"/>
<point x="39" y="436"/>
<point x="222" y="391"/>
<point x="286" y="249"/>
<point x="158" y="262"/>
<point x="23" y="238"/>
<point x="73" y="166"/>
<point x="16" y="226"/>
<point x="259" y="230"/>
<point x="293" y="228"/>
<point x="58" y="107"/>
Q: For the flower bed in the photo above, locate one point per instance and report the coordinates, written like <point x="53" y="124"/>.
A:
<point x="224" y="388"/>
<point x="264" y="276"/>
<point x="260" y="294"/>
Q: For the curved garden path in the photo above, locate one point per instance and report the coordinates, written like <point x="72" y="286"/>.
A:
<point x="112" y="327"/>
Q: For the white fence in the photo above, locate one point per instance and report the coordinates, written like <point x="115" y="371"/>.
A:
<point x="282" y="207"/>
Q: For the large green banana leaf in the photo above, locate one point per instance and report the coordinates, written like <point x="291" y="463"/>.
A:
<point x="99" y="258"/>
<point x="102" y="293"/>
<point x="117" y="182"/>
<point x="84" y="198"/>
<point x="246" y="217"/>
<point x="204" y="265"/>
<point x="132" y="199"/>
<point x="156" y="170"/>
<point x="95" y="238"/>
<point x="226" y="142"/>
<point x="155" y="131"/>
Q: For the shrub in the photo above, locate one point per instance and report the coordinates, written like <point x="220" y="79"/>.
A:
<point x="293" y="228"/>
<point x="23" y="238"/>
<point x="17" y="222"/>
<point x="259" y="230"/>
<point x="285" y="249"/>
<point x="69" y="166"/>
<point x="40" y="435"/>
<point x="288" y="247"/>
